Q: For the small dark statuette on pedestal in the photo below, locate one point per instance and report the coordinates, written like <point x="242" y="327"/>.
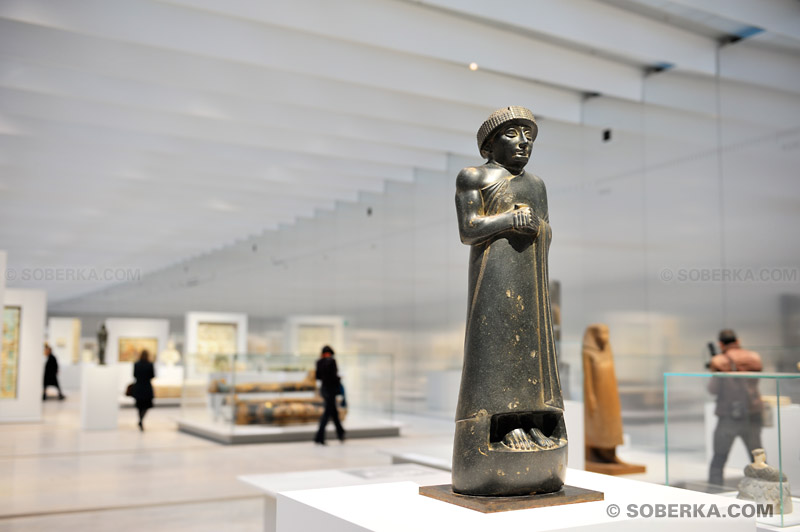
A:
<point x="102" y="338"/>
<point x="510" y="435"/>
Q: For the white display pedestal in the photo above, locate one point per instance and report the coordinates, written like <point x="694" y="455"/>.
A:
<point x="166" y="376"/>
<point x="169" y="374"/>
<point x="69" y="377"/>
<point x="302" y="480"/>
<point x="398" y="507"/>
<point x="99" y="397"/>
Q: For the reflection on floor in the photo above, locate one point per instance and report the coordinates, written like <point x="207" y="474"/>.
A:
<point x="55" y="476"/>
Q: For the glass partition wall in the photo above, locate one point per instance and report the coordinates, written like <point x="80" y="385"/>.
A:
<point x="715" y="422"/>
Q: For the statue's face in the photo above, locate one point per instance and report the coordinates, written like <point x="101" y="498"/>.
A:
<point x="512" y="145"/>
<point x="602" y="336"/>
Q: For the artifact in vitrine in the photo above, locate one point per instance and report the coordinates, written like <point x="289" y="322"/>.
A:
<point x="763" y="483"/>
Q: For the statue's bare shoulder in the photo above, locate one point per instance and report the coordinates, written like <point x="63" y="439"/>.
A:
<point x="471" y="178"/>
<point x="478" y="177"/>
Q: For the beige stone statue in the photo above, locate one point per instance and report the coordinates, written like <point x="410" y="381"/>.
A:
<point x="170" y="356"/>
<point x="763" y="483"/>
<point x="602" y="413"/>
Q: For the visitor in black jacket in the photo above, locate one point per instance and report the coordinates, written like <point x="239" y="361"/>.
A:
<point x="143" y="372"/>
<point x="328" y="375"/>
<point x="51" y="373"/>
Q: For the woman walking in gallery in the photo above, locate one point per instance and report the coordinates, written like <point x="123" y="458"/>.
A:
<point x="143" y="372"/>
<point x="51" y="373"/>
<point x="328" y="375"/>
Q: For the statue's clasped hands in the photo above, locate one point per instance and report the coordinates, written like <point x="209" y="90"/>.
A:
<point x="524" y="220"/>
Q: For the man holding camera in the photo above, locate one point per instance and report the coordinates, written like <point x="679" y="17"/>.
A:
<point x="739" y="407"/>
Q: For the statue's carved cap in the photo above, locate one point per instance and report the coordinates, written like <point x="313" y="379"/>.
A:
<point x="503" y="116"/>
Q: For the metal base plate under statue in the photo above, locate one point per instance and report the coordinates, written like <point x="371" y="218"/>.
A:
<point x="566" y="495"/>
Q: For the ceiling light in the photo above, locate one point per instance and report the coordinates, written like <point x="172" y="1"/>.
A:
<point x="221" y="206"/>
<point x="473" y="66"/>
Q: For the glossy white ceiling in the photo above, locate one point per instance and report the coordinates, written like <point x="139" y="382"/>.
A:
<point x="142" y="134"/>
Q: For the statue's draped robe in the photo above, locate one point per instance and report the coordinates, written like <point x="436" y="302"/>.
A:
<point x="603" y="425"/>
<point x="509" y="352"/>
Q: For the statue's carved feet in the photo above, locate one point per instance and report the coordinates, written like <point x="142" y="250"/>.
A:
<point x="519" y="440"/>
<point x="541" y="440"/>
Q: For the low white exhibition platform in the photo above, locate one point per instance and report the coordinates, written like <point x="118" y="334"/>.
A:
<point x="99" y="405"/>
<point x="165" y="376"/>
<point x="271" y="484"/>
<point x="398" y="507"/>
<point x="356" y="427"/>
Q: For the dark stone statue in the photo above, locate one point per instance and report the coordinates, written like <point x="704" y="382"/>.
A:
<point x="510" y="435"/>
<point x="102" y="339"/>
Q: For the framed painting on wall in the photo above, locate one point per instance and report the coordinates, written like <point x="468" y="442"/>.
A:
<point x="9" y="359"/>
<point x="311" y="338"/>
<point x="216" y="338"/>
<point x="131" y="348"/>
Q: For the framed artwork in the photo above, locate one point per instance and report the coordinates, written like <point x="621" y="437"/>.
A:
<point x="311" y="338"/>
<point x="76" y="341"/>
<point x="216" y="338"/>
<point x="131" y="348"/>
<point x="9" y="359"/>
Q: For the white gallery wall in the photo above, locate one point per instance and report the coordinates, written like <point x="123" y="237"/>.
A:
<point x="132" y="328"/>
<point x="64" y="337"/>
<point x="668" y="192"/>
<point x="668" y="140"/>
<point x="27" y="406"/>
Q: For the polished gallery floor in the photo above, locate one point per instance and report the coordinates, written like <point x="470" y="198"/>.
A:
<point x="53" y="476"/>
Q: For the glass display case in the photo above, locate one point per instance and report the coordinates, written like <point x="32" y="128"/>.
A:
<point x="713" y="422"/>
<point x="249" y="398"/>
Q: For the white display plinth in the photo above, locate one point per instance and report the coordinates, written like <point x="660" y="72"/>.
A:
<point x="69" y="377"/>
<point x="398" y="507"/>
<point x="272" y="484"/>
<point x="169" y="374"/>
<point x="99" y="397"/>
